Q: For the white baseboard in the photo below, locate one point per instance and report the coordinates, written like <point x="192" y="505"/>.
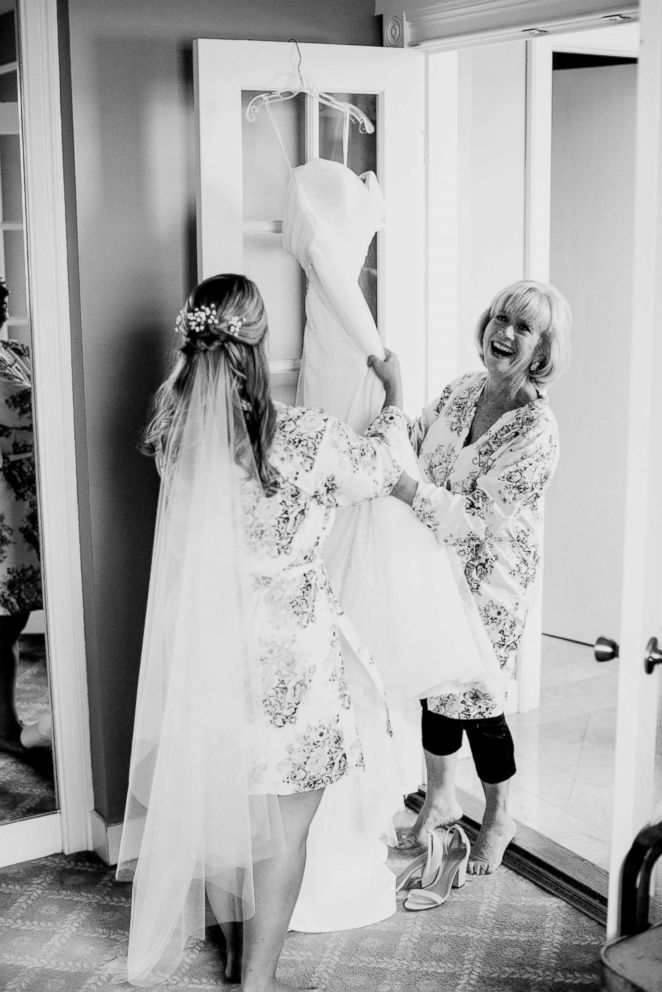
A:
<point x="105" y="838"/>
<point x="25" y="840"/>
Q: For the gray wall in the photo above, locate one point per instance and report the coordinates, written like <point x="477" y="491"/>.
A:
<point x="131" y="198"/>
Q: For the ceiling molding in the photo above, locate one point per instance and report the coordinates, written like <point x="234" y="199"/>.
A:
<point x="456" y="23"/>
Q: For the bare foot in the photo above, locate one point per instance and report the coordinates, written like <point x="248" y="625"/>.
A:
<point x="229" y="943"/>
<point x="489" y="847"/>
<point x="232" y="970"/>
<point x="443" y="811"/>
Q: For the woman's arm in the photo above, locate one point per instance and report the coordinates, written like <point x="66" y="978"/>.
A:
<point x="388" y="373"/>
<point x="325" y="458"/>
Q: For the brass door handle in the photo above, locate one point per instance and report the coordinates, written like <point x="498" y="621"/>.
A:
<point x="605" y="649"/>
<point x="653" y="656"/>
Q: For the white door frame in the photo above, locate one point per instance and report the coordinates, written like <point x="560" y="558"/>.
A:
<point x="68" y="829"/>
<point x="642" y="584"/>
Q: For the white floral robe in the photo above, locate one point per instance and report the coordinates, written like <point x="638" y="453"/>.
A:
<point x="485" y="501"/>
<point x="309" y="739"/>
<point x="20" y="571"/>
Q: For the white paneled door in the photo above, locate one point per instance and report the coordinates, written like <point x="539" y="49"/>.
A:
<point x="244" y="171"/>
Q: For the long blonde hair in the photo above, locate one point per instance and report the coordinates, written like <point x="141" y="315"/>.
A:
<point x="223" y="319"/>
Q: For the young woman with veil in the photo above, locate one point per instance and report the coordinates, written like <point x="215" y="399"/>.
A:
<point x="243" y="713"/>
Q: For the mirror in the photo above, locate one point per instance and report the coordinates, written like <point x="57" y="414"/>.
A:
<point x="27" y="781"/>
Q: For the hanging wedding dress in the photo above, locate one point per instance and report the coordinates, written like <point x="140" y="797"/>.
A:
<point x="403" y="596"/>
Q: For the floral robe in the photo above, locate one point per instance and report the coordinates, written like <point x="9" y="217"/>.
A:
<point x="485" y="501"/>
<point x="20" y="571"/>
<point x="309" y="737"/>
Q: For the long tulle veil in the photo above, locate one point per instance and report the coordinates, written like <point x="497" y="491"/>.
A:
<point x="193" y="829"/>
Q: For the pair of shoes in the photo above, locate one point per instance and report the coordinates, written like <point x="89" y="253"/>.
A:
<point x="445" y="868"/>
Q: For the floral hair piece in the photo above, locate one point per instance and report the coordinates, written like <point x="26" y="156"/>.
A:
<point x="205" y="320"/>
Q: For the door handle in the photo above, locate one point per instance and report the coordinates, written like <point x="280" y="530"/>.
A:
<point x="605" y="649"/>
<point x="653" y="656"/>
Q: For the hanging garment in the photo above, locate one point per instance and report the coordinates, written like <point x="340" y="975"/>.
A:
<point x="404" y="594"/>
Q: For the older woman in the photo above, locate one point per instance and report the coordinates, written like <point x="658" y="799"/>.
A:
<point x="488" y="447"/>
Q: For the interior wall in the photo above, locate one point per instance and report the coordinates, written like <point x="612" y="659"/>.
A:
<point x="133" y="142"/>
<point x="593" y="132"/>
<point x="492" y="104"/>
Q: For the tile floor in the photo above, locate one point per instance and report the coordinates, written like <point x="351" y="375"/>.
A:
<point x="565" y="752"/>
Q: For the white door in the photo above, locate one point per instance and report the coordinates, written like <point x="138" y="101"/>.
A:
<point x="244" y="172"/>
<point x="641" y="607"/>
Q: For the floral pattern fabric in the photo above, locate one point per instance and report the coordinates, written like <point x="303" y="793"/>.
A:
<point x="485" y="501"/>
<point x="20" y="570"/>
<point x="308" y="738"/>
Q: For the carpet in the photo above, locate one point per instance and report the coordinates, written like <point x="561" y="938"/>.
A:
<point x="64" y="927"/>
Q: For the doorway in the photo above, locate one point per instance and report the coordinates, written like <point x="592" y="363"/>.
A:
<point x="565" y="728"/>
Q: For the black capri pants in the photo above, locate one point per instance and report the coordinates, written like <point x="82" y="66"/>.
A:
<point x="490" y="741"/>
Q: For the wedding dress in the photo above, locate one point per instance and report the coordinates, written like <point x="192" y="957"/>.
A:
<point x="404" y="597"/>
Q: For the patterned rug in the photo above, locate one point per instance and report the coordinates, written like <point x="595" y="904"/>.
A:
<point x="64" y="925"/>
<point x="26" y="782"/>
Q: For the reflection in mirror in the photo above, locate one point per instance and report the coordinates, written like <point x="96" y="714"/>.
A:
<point x="27" y="785"/>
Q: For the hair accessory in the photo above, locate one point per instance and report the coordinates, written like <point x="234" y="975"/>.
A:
<point x="205" y="320"/>
<point x="234" y="325"/>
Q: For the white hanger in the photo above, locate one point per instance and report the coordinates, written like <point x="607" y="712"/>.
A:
<point x="354" y="113"/>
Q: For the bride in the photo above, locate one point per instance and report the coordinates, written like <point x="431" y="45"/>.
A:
<point x="245" y="713"/>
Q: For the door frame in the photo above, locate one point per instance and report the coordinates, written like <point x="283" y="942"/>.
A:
<point x="69" y="828"/>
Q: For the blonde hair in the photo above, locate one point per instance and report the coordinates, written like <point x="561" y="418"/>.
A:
<point x="232" y="328"/>
<point x="543" y="307"/>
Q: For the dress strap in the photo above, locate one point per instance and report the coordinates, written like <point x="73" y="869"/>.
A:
<point x="278" y="135"/>
<point x="345" y="136"/>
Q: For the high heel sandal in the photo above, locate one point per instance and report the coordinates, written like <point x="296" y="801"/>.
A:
<point x="446" y="868"/>
<point x="412" y="874"/>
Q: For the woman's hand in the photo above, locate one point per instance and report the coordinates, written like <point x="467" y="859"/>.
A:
<point x="405" y="489"/>
<point x="388" y="372"/>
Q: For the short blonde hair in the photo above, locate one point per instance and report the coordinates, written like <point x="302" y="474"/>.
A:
<point x="546" y="309"/>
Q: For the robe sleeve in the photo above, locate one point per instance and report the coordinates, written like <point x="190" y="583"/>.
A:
<point x="513" y="482"/>
<point x="340" y="467"/>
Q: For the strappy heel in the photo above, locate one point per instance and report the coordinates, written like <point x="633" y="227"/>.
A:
<point x="446" y="868"/>
<point x="412" y="874"/>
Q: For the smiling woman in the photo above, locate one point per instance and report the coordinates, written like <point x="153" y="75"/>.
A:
<point x="488" y="447"/>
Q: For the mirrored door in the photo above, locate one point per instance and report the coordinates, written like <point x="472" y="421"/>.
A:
<point x="27" y="777"/>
